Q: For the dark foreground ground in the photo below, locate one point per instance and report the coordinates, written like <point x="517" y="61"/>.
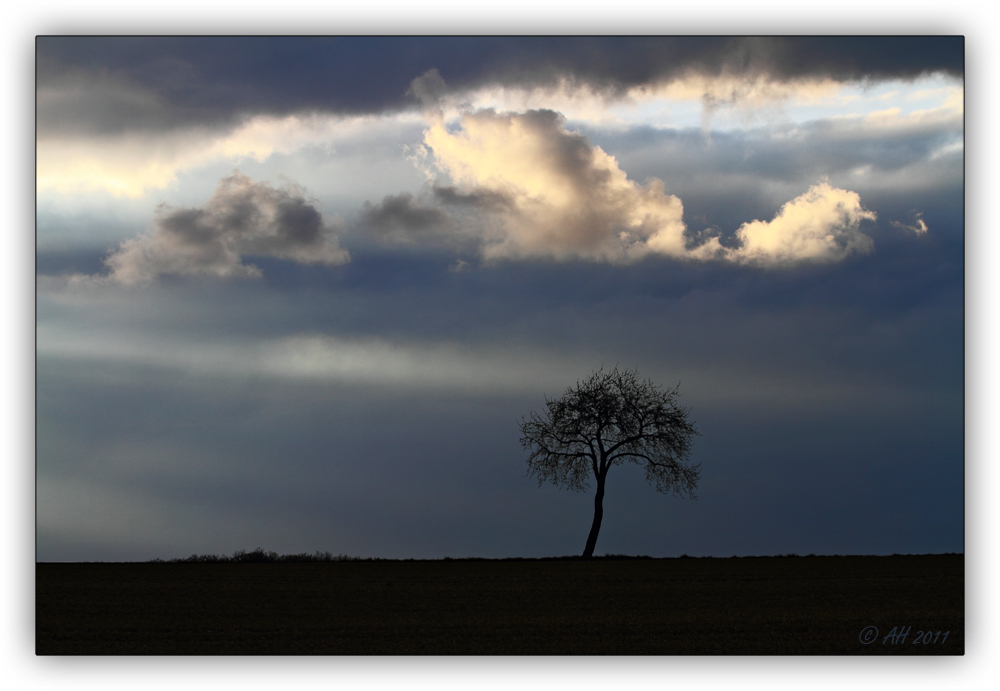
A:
<point x="738" y="606"/>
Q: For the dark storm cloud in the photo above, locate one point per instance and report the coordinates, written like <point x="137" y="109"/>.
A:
<point x="848" y="58"/>
<point x="111" y="84"/>
<point x="242" y="218"/>
<point x="403" y="215"/>
<point x="482" y="198"/>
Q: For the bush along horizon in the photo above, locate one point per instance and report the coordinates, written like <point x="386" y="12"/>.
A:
<point x="257" y="555"/>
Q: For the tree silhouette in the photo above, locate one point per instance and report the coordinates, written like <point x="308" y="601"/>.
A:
<point x="608" y="419"/>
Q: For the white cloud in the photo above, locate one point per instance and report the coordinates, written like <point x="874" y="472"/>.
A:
<point x="821" y="225"/>
<point x="241" y="218"/>
<point x="919" y="226"/>
<point x="563" y="197"/>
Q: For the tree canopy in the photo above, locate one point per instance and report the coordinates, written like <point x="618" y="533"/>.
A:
<point x="613" y="417"/>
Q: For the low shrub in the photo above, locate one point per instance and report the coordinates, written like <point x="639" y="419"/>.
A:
<point x="258" y="555"/>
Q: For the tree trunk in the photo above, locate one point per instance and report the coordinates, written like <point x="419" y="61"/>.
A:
<point x="588" y="551"/>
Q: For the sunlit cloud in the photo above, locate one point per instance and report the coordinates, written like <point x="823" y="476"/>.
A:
<point x="822" y="225"/>
<point x="895" y="119"/>
<point x="948" y="114"/>
<point x="644" y="104"/>
<point x="747" y="97"/>
<point x="950" y="96"/>
<point x="556" y="194"/>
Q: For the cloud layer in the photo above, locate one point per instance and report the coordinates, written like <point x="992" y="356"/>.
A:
<point x="505" y="186"/>
<point x="126" y="115"/>
<point x="162" y="83"/>
<point x="242" y="218"/>
<point x="526" y="187"/>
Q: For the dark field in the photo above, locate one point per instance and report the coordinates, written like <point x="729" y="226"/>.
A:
<point x="738" y="606"/>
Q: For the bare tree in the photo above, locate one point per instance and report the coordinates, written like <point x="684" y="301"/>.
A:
<point x="608" y="419"/>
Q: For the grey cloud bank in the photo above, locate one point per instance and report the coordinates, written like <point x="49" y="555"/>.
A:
<point x="104" y="84"/>
<point x="241" y="218"/>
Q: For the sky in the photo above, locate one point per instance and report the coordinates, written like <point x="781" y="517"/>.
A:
<point x="297" y="293"/>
